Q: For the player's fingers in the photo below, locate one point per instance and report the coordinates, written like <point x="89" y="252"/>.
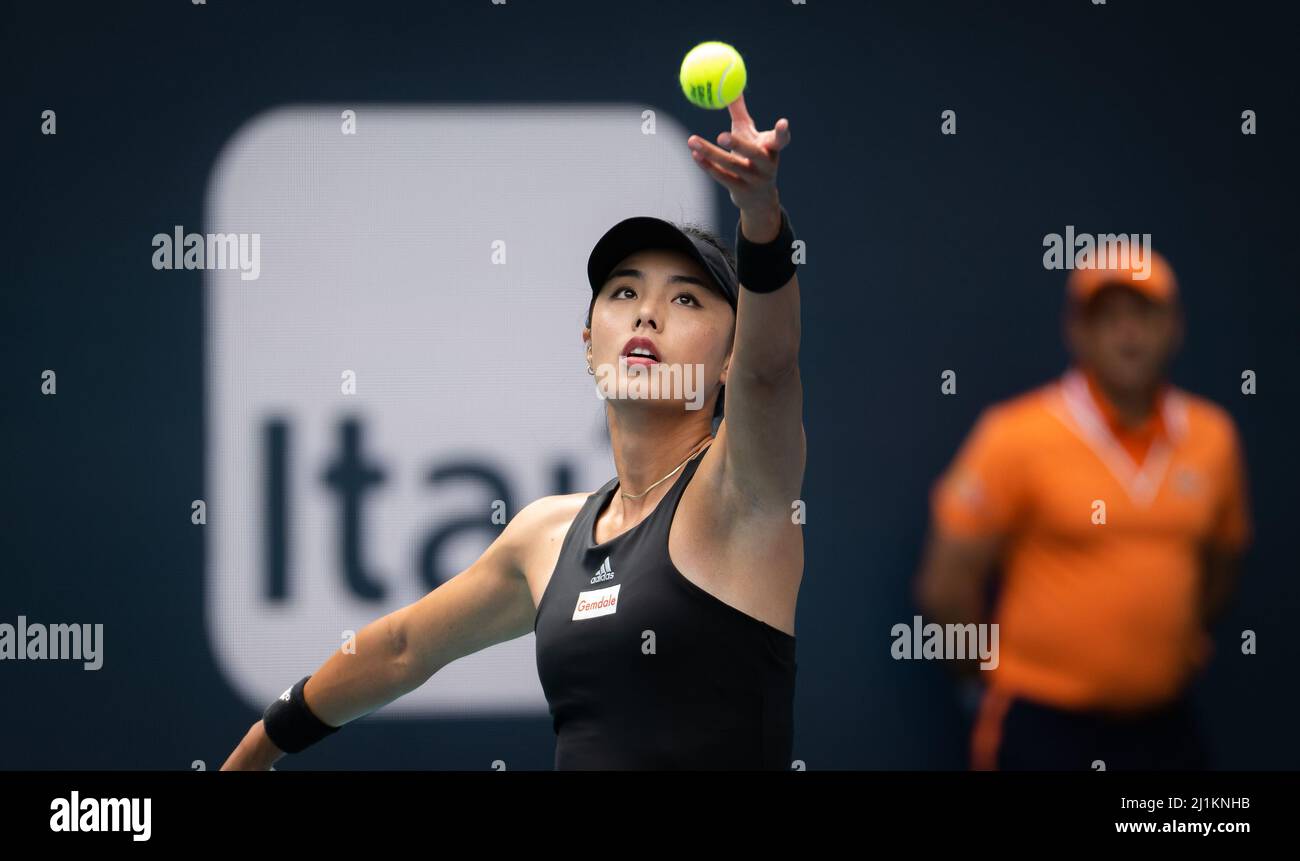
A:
<point x="751" y="147"/>
<point x="773" y="141"/>
<point x="726" y="177"/>
<point x="733" y="162"/>
<point x="739" y="113"/>
<point x="781" y="134"/>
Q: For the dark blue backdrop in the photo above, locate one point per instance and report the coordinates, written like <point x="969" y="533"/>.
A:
<point x="924" y="254"/>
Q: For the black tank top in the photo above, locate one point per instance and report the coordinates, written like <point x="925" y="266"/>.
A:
<point x="644" y="669"/>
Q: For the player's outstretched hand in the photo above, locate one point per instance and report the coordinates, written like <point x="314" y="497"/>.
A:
<point x="744" y="160"/>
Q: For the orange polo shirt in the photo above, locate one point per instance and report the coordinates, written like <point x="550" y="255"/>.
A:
<point x="1103" y="529"/>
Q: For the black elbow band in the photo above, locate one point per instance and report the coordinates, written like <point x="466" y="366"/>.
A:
<point x="766" y="267"/>
<point x="290" y="725"/>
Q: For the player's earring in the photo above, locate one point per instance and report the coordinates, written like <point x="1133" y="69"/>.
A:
<point x="590" y="370"/>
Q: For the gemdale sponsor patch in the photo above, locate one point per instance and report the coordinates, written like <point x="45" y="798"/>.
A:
<point x="596" y="602"/>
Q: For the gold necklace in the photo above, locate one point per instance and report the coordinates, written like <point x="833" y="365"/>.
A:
<point x="694" y="452"/>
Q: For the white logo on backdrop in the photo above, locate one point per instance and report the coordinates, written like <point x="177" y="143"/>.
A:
<point x="384" y="381"/>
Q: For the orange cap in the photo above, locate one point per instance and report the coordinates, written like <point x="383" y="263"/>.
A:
<point x="1126" y="270"/>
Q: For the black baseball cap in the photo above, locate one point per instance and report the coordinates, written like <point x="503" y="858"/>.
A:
<point x="643" y="231"/>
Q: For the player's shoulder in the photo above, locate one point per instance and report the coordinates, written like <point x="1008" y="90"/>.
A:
<point x="545" y="513"/>
<point x="542" y="523"/>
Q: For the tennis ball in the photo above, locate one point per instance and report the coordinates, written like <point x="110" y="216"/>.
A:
<point x="713" y="75"/>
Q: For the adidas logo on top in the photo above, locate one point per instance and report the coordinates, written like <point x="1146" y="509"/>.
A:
<point x="604" y="572"/>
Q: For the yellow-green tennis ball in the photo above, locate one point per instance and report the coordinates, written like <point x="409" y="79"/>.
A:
<point x="713" y="75"/>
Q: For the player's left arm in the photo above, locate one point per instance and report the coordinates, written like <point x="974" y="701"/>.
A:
<point x="761" y="437"/>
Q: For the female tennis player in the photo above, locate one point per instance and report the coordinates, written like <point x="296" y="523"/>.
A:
<point x="664" y="602"/>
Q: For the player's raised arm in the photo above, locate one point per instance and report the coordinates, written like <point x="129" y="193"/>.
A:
<point x="762" y="436"/>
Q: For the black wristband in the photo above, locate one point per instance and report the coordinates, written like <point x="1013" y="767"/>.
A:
<point x="290" y="725"/>
<point x="766" y="267"/>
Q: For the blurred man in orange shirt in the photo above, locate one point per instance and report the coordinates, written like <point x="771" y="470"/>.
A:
<point x="1114" y="506"/>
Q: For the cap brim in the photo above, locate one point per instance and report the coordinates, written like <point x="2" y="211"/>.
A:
<point x="639" y="233"/>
